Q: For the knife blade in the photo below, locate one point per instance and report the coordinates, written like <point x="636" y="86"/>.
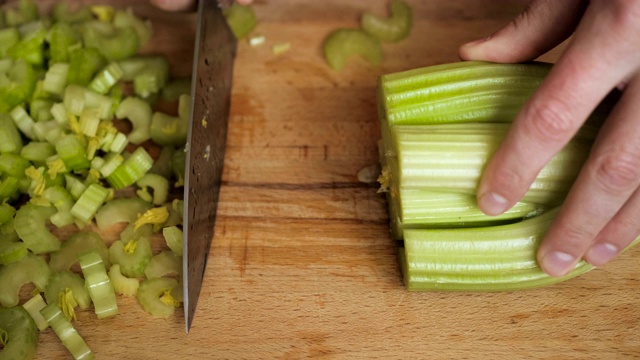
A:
<point x="214" y="53"/>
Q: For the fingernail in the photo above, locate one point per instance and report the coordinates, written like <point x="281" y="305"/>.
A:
<point x="557" y="263"/>
<point x="492" y="203"/>
<point x="477" y="42"/>
<point x="601" y="253"/>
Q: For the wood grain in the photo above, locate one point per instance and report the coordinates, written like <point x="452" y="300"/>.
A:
<point x="302" y="265"/>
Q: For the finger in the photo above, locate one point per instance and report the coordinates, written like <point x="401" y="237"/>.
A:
<point x="621" y="231"/>
<point x="591" y="66"/>
<point x="609" y="178"/>
<point x="174" y="5"/>
<point x="245" y="2"/>
<point x="543" y="25"/>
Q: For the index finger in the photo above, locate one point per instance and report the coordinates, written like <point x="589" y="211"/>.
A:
<point x="591" y="66"/>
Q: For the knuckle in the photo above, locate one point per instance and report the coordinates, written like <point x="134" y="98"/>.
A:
<point x="549" y="120"/>
<point x="617" y="171"/>
<point x="575" y="237"/>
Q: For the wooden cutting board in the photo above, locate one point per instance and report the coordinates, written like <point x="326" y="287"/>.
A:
<point x="302" y="265"/>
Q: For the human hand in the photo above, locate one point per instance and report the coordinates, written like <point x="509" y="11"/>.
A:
<point x="601" y="214"/>
<point x="180" y="5"/>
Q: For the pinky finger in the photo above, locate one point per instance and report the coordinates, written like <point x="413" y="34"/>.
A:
<point x="621" y="231"/>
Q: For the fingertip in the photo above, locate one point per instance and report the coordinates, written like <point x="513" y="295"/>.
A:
<point x="473" y="50"/>
<point x="173" y="5"/>
<point x="557" y="263"/>
<point x="492" y="203"/>
<point x="601" y="253"/>
<point x="244" y="2"/>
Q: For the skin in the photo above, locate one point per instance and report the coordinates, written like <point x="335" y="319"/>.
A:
<point x="600" y="216"/>
<point x="183" y="5"/>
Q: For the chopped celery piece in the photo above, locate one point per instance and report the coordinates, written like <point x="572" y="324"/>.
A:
<point x="175" y="88"/>
<point x="13" y="165"/>
<point x="98" y="284"/>
<point x="21" y="81"/>
<point x="166" y="263"/>
<point x="75" y="186"/>
<point x="12" y="251"/>
<point x="9" y="188"/>
<point x="89" y="121"/>
<point x="55" y="80"/>
<point x="280" y="48"/>
<point x="23" y="121"/>
<point x="89" y="202"/>
<point x="131" y="170"/>
<point x="138" y="112"/>
<point x="33" y="307"/>
<point x="62" y="200"/>
<point x="113" y="42"/>
<point x="156" y="216"/>
<point x="173" y="236"/>
<point x="19" y="334"/>
<point x="78" y="243"/>
<point x="62" y="13"/>
<point x="71" y="149"/>
<point x="37" y="151"/>
<point x="30" y="48"/>
<point x="154" y="295"/>
<point x="162" y="165"/>
<point x="6" y="213"/>
<point x="132" y="255"/>
<point x="395" y="28"/>
<point x="111" y="162"/>
<point x="122" y="284"/>
<point x="158" y="184"/>
<point x="10" y="139"/>
<point x="178" y="164"/>
<point x="60" y="281"/>
<point x="133" y="66"/>
<point x="342" y="44"/>
<point x="175" y="213"/>
<point x="241" y="19"/>
<point x="168" y="130"/>
<point x="126" y="18"/>
<point x="31" y="269"/>
<point x="106" y="78"/>
<point x="62" y="40"/>
<point x="84" y="63"/>
<point x="8" y="37"/>
<point x="120" y="210"/>
<point x="68" y="335"/>
<point x="152" y="78"/>
<point x="31" y="225"/>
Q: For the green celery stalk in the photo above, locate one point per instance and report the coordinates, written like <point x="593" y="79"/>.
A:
<point x="241" y="19"/>
<point x="138" y="112"/>
<point x="62" y="280"/>
<point x="155" y="296"/>
<point x="78" y="243"/>
<point x="33" y="307"/>
<point x="342" y="44"/>
<point x="121" y="284"/>
<point x="132" y="255"/>
<point x="166" y="263"/>
<point x="120" y="210"/>
<point x="10" y="139"/>
<point x="62" y="40"/>
<point x="68" y="335"/>
<point x="131" y="170"/>
<point x="89" y="202"/>
<point x="31" y="225"/>
<point x="84" y="63"/>
<point x="113" y="42"/>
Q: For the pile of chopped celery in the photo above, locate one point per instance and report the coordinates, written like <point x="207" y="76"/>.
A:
<point x="68" y="83"/>
<point x="365" y="42"/>
<point x="440" y="125"/>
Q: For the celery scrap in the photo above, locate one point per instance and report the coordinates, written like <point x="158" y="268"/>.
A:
<point x="31" y="269"/>
<point x="342" y="44"/>
<point x="78" y="243"/>
<point x="18" y="334"/>
<point x="98" y="284"/>
<point x="121" y="284"/>
<point x="33" y="307"/>
<point x="68" y="335"/>
<point x="154" y="295"/>
<point x="395" y="28"/>
<point x="241" y="19"/>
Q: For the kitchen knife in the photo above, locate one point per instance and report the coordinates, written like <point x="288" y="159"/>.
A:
<point x="215" y="49"/>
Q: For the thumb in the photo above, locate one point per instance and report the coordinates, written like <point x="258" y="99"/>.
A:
<point x="543" y="25"/>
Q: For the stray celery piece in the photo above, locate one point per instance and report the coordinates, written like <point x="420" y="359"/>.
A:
<point x="19" y="334"/>
<point x="173" y="236"/>
<point x="342" y="44"/>
<point x="178" y="165"/>
<point x="120" y="210"/>
<point x="31" y="225"/>
<point x="31" y="269"/>
<point x="33" y="307"/>
<point x="139" y="113"/>
<point x="158" y="184"/>
<point x="166" y="263"/>
<point x="121" y="284"/>
<point x="154" y="295"/>
<point x="393" y="29"/>
<point x="98" y="284"/>
<point x="162" y="165"/>
<point x="78" y="243"/>
<point x="131" y="170"/>
<point x="168" y="130"/>
<point x="175" y="88"/>
<point x="152" y="78"/>
<point x="62" y="200"/>
<point x="60" y="281"/>
<point x="132" y="255"/>
<point x="241" y="19"/>
<point x="68" y="335"/>
<point x="89" y="202"/>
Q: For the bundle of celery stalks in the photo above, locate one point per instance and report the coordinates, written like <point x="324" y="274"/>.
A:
<point x="66" y="83"/>
<point x="440" y="125"/>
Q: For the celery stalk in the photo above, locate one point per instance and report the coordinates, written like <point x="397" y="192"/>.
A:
<point x="395" y="28"/>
